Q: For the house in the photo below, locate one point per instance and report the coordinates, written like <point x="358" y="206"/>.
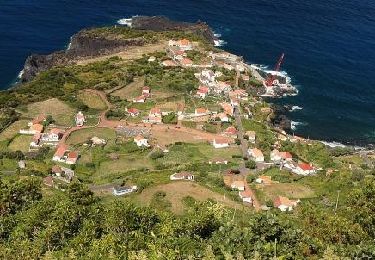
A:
<point x="245" y="196"/>
<point x="48" y="181"/>
<point x="146" y="90"/>
<point x="36" y="140"/>
<point x="238" y="185"/>
<point x="183" y="44"/>
<point x="231" y="132"/>
<point x="122" y="190"/>
<point x="141" y="141"/>
<point x="80" y="119"/>
<point x="186" y="62"/>
<point x="263" y="179"/>
<point x="98" y="141"/>
<point x="132" y="111"/>
<point x="251" y="135"/>
<point x="201" y="111"/>
<point x="222" y="87"/>
<point x="245" y="77"/>
<point x="220" y="143"/>
<point x="154" y="120"/>
<point x="202" y="91"/>
<point x="182" y="176"/>
<point x="228" y="109"/>
<point x="234" y="102"/>
<point x="285" y="204"/>
<point x="256" y="154"/>
<point x="72" y="158"/>
<point x="140" y="99"/>
<point x="53" y="136"/>
<point x="286" y="156"/>
<point x="60" y="152"/>
<point x="218" y="161"/>
<point x="62" y="173"/>
<point x="223" y="117"/>
<point x="155" y="112"/>
<point x="169" y="63"/>
<point x="305" y="169"/>
<point x="275" y="156"/>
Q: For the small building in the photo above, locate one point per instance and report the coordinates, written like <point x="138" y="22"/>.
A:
<point x="40" y="119"/>
<point x="60" y="152"/>
<point x="53" y="136"/>
<point x="228" y="109"/>
<point x="275" y="156"/>
<point x="182" y="176"/>
<point x="251" y="135"/>
<point x="202" y="92"/>
<point x="201" y="111"/>
<point x="62" y="173"/>
<point x="123" y="190"/>
<point x="285" y="204"/>
<point x="286" y="156"/>
<point x="36" y="140"/>
<point x="80" y="119"/>
<point x="72" y="158"/>
<point x="246" y="196"/>
<point x="140" y="99"/>
<point x="133" y="112"/>
<point x="155" y="111"/>
<point x="231" y="132"/>
<point x="146" y="90"/>
<point x="305" y="169"/>
<point x="223" y="117"/>
<point x="220" y="143"/>
<point x="263" y="179"/>
<point x="151" y="59"/>
<point x="256" y="154"/>
<point x="238" y="185"/>
<point x="218" y="161"/>
<point x="141" y="141"/>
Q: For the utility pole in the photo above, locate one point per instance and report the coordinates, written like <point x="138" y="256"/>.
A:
<point x="337" y="200"/>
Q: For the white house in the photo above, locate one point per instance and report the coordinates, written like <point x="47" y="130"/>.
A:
<point x="202" y="92"/>
<point x="140" y="99"/>
<point x="251" y="135"/>
<point x="80" y="119"/>
<point x="182" y="176"/>
<point x="53" y="136"/>
<point x="256" y="154"/>
<point x="304" y="169"/>
<point x="220" y="143"/>
<point x="141" y="141"/>
<point x="285" y="204"/>
<point x="238" y="185"/>
<point x="275" y="156"/>
<point x="201" y="111"/>
<point x="123" y="190"/>
<point x="245" y="196"/>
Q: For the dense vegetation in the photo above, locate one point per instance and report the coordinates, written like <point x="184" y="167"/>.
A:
<point x="75" y="224"/>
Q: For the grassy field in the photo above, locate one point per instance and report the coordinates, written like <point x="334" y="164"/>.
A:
<point x="21" y="143"/>
<point x="81" y="136"/>
<point x="61" y="112"/>
<point x="92" y="100"/>
<point x="290" y="190"/>
<point x="13" y="129"/>
<point x="8" y="165"/>
<point x="178" y="190"/>
<point x="132" y="90"/>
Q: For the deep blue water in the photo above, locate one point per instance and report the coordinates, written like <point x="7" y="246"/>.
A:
<point x="329" y="47"/>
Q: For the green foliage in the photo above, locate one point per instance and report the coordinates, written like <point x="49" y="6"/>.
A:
<point x="250" y="164"/>
<point x="171" y="118"/>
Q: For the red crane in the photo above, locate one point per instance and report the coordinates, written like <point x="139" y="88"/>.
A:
<point x="272" y="77"/>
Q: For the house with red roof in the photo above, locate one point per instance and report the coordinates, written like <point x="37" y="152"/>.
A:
<point x="132" y="111"/>
<point x="60" y="152"/>
<point x="72" y="158"/>
<point x="304" y="169"/>
<point x="231" y="132"/>
<point x="256" y="154"/>
<point x="285" y="204"/>
<point x="220" y="143"/>
<point x="140" y="99"/>
<point x="201" y="111"/>
<point x="141" y="141"/>
<point x="146" y="90"/>
<point x="202" y="91"/>
<point x="186" y="62"/>
<point x="36" y="140"/>
<point x="246" y="196"/>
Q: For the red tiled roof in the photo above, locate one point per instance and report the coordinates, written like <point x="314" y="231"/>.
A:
<point x="231" y="130"/>
<point x="61" y="149"/>
<point x="73" y="155"/>
<point x="56" y="169"/>
<point x="133" y="110"/>
<point x="39" y="119"/>
<point x="221" y="141"/>
<point x="155" y="110"/>
<point x="286" y="155"/>
<point x="201" y="110"/>
<point x="305" y="166"/>
<point x="186" y="61"/>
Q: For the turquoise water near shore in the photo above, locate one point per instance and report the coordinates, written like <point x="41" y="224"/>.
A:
<point x="329" y="47"/>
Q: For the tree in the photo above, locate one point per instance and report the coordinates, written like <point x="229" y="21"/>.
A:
<point x="251" y="164"/>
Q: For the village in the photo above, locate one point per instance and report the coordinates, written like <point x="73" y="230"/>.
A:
<point x="213" y="114"/>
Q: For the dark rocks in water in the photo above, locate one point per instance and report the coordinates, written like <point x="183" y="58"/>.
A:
<point x="84" y="44"/>
<point x="279" y="118"/>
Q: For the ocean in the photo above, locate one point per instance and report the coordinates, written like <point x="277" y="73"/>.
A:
<point x="329" y="48"/>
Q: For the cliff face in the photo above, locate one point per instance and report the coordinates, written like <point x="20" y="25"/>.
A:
<point x="84" y="44"/>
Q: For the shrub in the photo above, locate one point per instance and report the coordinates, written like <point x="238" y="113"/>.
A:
<point x="250" y="164"/>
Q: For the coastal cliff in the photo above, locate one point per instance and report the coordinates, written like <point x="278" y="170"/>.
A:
<point x="90" y="43"/>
